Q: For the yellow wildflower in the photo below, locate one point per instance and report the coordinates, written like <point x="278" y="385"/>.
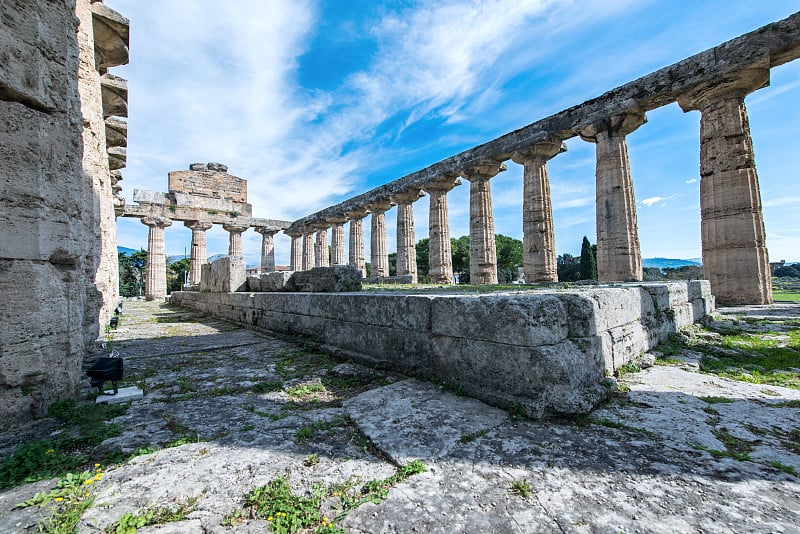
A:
<point x="269" y="518"/>
<point x="88" y="481"/>
<point x="49" y="451"/>
<point x="58" y="499"/>
<point x="97" y="465"/>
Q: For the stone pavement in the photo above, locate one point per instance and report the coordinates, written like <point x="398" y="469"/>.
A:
<point x="229" y="409"/>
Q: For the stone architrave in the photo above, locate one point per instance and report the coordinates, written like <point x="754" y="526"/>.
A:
<point x="197" y="256"/>
<point x="267" y="248"/>
<point x="308" y="249"/>
<point x="235" y="241"/>
<point x="155" y="283"/>
<point x="735" y="258"/>
<point x="482" y="248"/>
<point x="356" y="257"/>
<point x="440" y="257"/>
<point x="619" y="258"/>
<point x="538" y="235"/>
<point x="379" y="252"/>
<point x="296" y="250"/>
<point x="321" y="252"/>
<point x="406" y="242"/>
<point x="338" y="256"/>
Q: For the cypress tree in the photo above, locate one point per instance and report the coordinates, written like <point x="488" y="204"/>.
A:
<point x="588" y="263"/>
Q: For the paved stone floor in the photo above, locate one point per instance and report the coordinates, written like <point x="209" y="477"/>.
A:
<point x="228" y="409"/>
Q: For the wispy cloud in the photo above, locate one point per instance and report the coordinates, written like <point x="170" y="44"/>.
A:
<point x="652" y="201"/>
<point x="779" y="201"/>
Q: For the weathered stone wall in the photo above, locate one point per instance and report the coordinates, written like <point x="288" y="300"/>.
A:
<point x="548" y="351"/>
<point x="224" y="275"/>
<point x="48" y="246"/>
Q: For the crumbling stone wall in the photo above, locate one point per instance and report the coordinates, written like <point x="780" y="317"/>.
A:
<point x="48" y="246"/>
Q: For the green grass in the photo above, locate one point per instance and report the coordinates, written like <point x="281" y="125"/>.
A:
<point x="754" y="358"/>
<point x="785" y="296"/>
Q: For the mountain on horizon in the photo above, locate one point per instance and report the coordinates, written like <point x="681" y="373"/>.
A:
<point x="126" y="250"/>
<point x="671" y="263"/>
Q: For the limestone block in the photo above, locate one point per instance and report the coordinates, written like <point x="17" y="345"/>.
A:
<point x="406" y="279"/>
<point x="699" y="289"/>
<point x="253" y="283"/>
<point x="275" y="281"/>
<point x="338" y="278"/>
<point x="527" y="320"/>
<point x="224" y="275"/>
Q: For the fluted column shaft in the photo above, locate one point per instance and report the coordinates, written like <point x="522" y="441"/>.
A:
<point x="309" y="260"/>
<point x="267" y="248"/>
<point x="296" y="251"/>
<point x="482" y="247"/>
<point x="235" y="240"/>
<point x="735" y="257"/>
<point x="155" y="284"/>
<point x="337" y="242"/>
<point x="322" y="258"/>
<point x="440" y="257"/>
<point x="538" y="234"/>
<point x="357" y="259"/>
<point x="197" y="257"/>
<point x="379" y="251"/>
<point x="406" y="241"/>
<point x="619" y="257"/>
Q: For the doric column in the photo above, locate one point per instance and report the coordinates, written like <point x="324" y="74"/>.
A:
<point x="378" y="251"/>
<point x="235" y="241"/>
<point x="321" y="254"/>
<point x="538" y="235"/>
<point x="406" y="242"/>
<point x="197" y="255"/>
<point x="337" y="240"/>
<point x="155" y="284"/>
<point x="482" y="248"/>
<point x="309" y="260"/>
<point x="735" y="258"/>
<point x="296" y="251"/>
<point x="440" y="256"/>
<point x="619" y="258"/>
<point x="357" y="259"/>
<point x="267" y="248"/>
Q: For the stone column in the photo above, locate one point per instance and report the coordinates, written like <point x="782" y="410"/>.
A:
<point x="296" y="253"/>
<point x="337" y="241"/>
<point x="197" y="255"/>
<point x="235" y="242"/>
<point x="538" y="235"/>
<point x="482" y="248"/>
<point x="155" y="283"/>
<point x="267" y="248"/>
<point x="357" y="259"/>
<point x="440" y="256"/>
<point x="619" y="258"/>
<point x="406" y="241"/>
<point x="735" y="258"/>
<point x="378" y="253"/>
<point x="322" y="256"/>
<point x="308" y="248"/>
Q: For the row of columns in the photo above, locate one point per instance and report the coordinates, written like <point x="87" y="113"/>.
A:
<point x="734" y="252"/>
<point x="156" y="268"/>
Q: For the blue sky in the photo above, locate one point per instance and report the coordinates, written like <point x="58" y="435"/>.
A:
<point x="313" y="102"/>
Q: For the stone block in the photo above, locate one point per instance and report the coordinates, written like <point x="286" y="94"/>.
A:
<point x="128" y="394"/>
<point x="253" y="282"/>
<point x="275" y="281"/>
<point x="224" y="275"/>
<point x="335" y="279"/>
<point x="408" y="279"/>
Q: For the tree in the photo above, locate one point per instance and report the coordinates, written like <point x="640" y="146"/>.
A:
<point x="588" y="263"/>
<point x="651" y="274"/>
<point x="459" y="250"/>
<point x="131" y="273"/>
<point x="792" y="271"/>
<point x="569" y="268"/>
<point x="423" y="251"/>
<point x="176" y="274"/>
<point x="393" y="264"/>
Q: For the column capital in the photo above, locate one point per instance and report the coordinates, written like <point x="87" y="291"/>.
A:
<point x="445" y="183"/>
<point x="484" y="170"/>
<point x="198" y="226"/>
<point x="541" y="151"/>
<point x="408" y="197"/>
<point x="356" y="213"/>
<point x="236" y="228"/>
<point x="156" y="221"/>
<point x="336" y="219"/>
<point x="614" y="125"/>
<point x="379" y="206"/>
<point x="321" y="226"/>
<point x="293" y="233"/>
<point x="267" y="230"/>
<point x="738" y="84"/>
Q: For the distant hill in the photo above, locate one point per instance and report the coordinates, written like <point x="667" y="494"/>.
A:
<point x="126" y="250"/>
<point x="663" y="263"/>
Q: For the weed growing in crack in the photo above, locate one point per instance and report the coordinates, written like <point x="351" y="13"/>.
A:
<point x="521" y="488"/>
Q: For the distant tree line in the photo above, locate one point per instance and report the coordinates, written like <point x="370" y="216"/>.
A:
<point x="132" y="273"/>
<point x="788" y="271"/>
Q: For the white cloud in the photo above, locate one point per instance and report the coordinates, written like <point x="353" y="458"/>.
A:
<point x="779" y="201"/>
<point x="649" y="202"/>
<point x="691" y="181"/>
